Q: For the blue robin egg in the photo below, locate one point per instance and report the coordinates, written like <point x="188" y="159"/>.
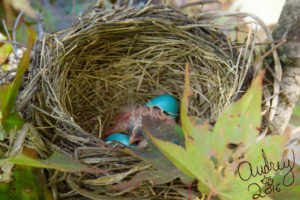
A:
<point x="166" y="103"/>
<point x="119" y="137"/>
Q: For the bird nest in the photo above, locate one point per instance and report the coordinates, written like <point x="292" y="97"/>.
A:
<point x="111" y="59"/>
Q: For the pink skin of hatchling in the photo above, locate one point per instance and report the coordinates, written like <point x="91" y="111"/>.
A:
<point x="130" y="123"/>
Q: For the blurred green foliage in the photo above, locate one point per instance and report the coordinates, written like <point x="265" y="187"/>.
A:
<point x="27" y="185"/>
<point x="9" y="119"/>
<point x="295" y="120"/>
<point x="57" y="14"/>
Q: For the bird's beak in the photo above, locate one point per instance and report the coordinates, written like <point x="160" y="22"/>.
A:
<point x="132" y="140"/>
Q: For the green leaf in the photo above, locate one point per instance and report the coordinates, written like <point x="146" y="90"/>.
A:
<point x="27" y="185"/>
<point x="4" y="101"/>
<point x="289" y="184"/>
<point x="181" y="157"/>
<point x="55" y="161"/>
<point x="239" y="122"/>
<point x="13" y="120"/>
<point x="8" y="93"/>
<point x="5" y="50"/>
<point x="208" y="155"/>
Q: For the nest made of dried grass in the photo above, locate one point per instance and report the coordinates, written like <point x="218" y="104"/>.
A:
<point x="114" y="58"/>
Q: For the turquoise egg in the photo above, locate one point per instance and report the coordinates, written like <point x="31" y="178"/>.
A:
<point x="166" y="103"/>
<point x="119" y="137"/>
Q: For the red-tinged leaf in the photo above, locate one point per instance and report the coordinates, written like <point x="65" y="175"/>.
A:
<point x="156" y="177"/>
<point x="134" y="182"/>
<point x="30" y="152"/>
<point x="181" y="157"/>
<point x="55" y="161"/>
<point x="166" y="171"/>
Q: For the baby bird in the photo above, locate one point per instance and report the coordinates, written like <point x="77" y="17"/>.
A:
<point x="130" y="123"/>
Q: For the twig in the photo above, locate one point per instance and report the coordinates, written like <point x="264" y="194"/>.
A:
<point x="188" y="4"/>
<point x="263" y="57"/>
<point x="13" y="43"/>
<point x="149" y="2"/>
<point x="190" y="191"/>
<point x="21" y="104"/>
<point x="5" y="75"/>
<point x="288" y="28"/>
<point x="15" y="27"/>
<point x="129" y="4"/>
<point x="41" y="28"/>
<point x="18" y="20"/>
<point x="9" y="38"/>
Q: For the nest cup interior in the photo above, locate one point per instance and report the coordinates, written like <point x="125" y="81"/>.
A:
<point x="112" y="59"/>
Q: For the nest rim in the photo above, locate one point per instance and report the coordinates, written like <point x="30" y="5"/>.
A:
<point x="70" y="131"/>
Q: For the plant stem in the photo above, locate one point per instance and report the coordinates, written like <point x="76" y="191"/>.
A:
<point x="190" y="191"/>
<point x="210" y="194"/>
